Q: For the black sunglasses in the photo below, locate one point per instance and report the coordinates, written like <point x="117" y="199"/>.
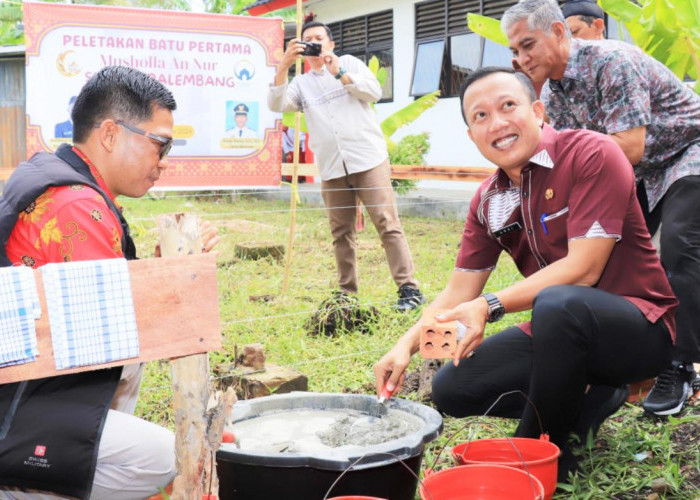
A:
<point x="165" y="142"/>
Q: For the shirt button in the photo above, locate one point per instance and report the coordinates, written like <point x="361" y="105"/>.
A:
<point x="524" y="193"/>
<point x="529" y="231"/>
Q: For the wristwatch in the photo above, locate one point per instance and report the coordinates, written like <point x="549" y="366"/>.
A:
<point x="340" y="73"/>
<point x="496" y="309"/>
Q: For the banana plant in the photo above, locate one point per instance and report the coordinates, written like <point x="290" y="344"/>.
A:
<point x="668" y="30"/>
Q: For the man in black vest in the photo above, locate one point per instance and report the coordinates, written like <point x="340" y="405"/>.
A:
<point x="62" y="208"/>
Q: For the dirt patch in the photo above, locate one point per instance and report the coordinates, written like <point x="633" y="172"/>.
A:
<point x="341" y="313"/>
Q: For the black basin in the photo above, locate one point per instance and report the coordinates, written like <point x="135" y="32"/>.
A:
<point x="388" y="470"/>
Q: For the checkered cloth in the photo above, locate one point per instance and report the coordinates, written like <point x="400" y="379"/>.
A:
<point x="19" y="307"/>
<point x="91" y="312"/>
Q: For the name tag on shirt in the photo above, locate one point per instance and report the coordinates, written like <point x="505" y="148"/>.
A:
<point x="515" y="226"/>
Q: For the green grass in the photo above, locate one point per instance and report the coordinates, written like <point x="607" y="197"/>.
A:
<point x="344" y="363"/>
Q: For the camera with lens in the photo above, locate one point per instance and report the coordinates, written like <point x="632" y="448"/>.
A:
<point x="311" y="49"/>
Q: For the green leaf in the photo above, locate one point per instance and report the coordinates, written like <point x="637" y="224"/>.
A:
<point x="622" y="10"/>
<point x="289" y="120"/>
<point x="409" y="113"/>
<point x="668" y="30"/>
<point x="487" y="27"/>
<point x="382" y="75"/>
<point x="373" y="65"/>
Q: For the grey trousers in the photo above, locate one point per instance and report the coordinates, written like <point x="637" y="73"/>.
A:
<point x="135" y="457"/>
<point x="373" y="188"/>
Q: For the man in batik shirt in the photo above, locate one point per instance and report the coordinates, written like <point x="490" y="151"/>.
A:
<point x="616" y="89"/>
<point x="61" y="207"/>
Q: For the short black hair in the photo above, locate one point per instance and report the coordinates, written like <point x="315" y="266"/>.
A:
<point x="315" y="24"/>
<point x="589" y="20"/>
<point x="121" y="93"/>
<point x="490" y="70"/>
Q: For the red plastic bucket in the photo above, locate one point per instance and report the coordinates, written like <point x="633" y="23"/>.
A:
<point x="536" y="456"/>
<point x="480" y="482"/>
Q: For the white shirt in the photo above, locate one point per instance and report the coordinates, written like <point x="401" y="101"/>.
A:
<point x="288" y="141"/>
<point x="343" y="128"/>
<point x="243" y="133"/>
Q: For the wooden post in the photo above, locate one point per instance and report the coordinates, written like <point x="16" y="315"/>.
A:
<point x="295" y="169"/>
<point x="199" y="417"/>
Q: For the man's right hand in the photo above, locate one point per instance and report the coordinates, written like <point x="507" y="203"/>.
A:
<point x="390" y="369"/>
<point x="294" y="50"/>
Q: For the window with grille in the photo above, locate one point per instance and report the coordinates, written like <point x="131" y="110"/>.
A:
<point x="367" y="36"/>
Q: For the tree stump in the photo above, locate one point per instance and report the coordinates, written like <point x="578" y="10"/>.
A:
<point x="250" y="383"/>
<point x="256" y="251"/>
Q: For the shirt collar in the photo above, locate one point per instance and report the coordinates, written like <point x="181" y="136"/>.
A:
<point x="572" y="65"/>
<point x="96" y="174"/>
<point x="544" y="156"/>
<point x="572" y="70"/>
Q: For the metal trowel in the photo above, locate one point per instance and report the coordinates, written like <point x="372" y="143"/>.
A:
<point x="377" y="411"/>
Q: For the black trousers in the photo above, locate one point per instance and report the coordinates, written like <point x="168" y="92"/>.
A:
<point x="678" y="213"/>
<point x="581" y="336"/>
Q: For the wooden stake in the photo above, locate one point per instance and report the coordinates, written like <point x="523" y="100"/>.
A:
<point x="295" y="169"/>
<point x="199" y="415"/>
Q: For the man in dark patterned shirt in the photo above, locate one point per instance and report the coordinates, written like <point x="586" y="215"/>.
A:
<point x="614" y="88"/>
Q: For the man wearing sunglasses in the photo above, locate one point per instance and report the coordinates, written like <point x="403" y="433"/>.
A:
<point x="62" y="207"/>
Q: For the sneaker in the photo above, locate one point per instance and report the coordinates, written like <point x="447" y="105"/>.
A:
<point x="695" y="384"/>
<point x="409" y="298"/>
<point x="600" y="402"/>
<point x="671" y="390"/>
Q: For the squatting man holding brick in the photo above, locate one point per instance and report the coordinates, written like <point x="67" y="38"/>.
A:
<point x="62" y="207"/>
<point x="352" y="156"/>
<point x="564" y="206"/>
<point x="616" y="89"/>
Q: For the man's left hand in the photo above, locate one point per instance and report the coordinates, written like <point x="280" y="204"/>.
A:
<point x="473" y="315"/>
<point x="331" y="62"/>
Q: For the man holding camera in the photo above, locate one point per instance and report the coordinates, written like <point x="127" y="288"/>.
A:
<point x="335" y="97"/>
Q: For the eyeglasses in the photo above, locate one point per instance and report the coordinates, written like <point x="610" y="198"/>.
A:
<point x="165" y="142"/>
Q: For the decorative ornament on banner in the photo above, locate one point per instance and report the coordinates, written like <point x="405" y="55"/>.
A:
<point x="217" y="66"/>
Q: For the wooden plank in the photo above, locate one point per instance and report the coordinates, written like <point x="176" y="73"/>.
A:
<point x="177" y="314"/>
<point x="441" y="173"/>
<point x="305" y="169"/>
<point x="414" y="172"/>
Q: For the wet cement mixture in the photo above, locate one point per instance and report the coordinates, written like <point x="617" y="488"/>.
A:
<point x="302" y="431"/>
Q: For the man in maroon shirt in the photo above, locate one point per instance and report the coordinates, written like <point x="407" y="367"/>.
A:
<point x="564" y="206"/>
